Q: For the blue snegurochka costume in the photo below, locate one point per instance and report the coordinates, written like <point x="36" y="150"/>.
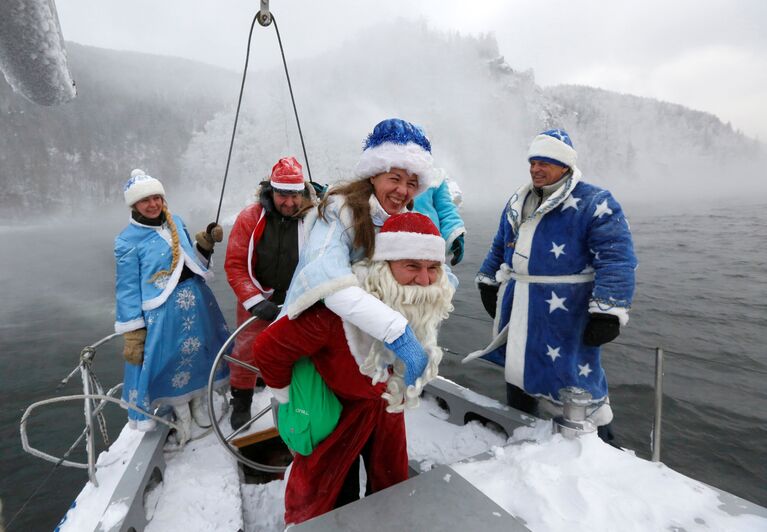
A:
<point x="437" y="203"/>
<point x="571" y="257"/>
<point x="185" y="327"/>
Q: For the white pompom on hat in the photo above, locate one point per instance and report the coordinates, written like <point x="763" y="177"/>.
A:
<point x="409" y="235"/>
<point x="553" y="146"/>
<point x="140" y="186"/>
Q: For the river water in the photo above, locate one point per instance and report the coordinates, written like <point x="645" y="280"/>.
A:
<point x="701" y="295"/>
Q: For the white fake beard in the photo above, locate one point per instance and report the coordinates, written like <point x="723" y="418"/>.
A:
<point x="424" y="307"/>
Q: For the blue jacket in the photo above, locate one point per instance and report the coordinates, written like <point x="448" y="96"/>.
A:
<point x="140" y="252"/>
<point x="437" y="203"/>
<point x="573" y="256"/>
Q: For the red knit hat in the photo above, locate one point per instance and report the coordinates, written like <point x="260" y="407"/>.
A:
<point x="409" y="236"/>
<point x="287" y="175"/>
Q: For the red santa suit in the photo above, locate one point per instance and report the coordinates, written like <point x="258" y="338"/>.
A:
<point x="240" y="262"/>
<point x="242" y="269"/>
<point x="316" y="480"/>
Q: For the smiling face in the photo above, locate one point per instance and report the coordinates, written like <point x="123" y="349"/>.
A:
<point x="415" y="271"/>
<point x="395" y="189"/>
<point x="149" y="207"/>
<point x="544" y="174"/>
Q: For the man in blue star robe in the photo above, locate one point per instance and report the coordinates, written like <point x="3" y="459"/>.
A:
<point x="563" y="262"/>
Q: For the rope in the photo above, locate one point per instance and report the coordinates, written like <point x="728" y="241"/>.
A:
<point x="236" y="116"/>
<point x="290" y="88"/>
<point x="239" y="104"/>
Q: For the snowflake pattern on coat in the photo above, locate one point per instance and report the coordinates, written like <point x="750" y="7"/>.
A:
<point x="191" y="345"/>
<point x="181" y="379"/>
<point x="185" y="299"/>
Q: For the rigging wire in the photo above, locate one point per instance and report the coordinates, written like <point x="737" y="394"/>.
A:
<point x="239" y="105"/>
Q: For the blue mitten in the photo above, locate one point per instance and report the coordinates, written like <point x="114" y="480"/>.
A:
<point x="409" y="350"/>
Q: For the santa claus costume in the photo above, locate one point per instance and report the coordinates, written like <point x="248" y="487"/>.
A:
<point x="367" y="378"/>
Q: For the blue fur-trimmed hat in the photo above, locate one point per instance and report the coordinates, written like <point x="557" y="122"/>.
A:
<point x="397" y="143"/>
<point x="553" y="146"/>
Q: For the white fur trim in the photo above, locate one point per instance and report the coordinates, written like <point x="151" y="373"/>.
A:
<point x="255" y="300"/>
<point x="514" y="371"/>
<point x="481" y="278"/>
<point x="410" y="157"/>
<point x="287" y="186"/>
<point x="281" y="394"/>
<point x="458" y="231"/>
<point x="251" y="250"/>
<point x="310" y="297"/>
<point x="143" y="188"/>
<point x="122" y="327"/>
<point x="403" y="245"/>
<point x="596" y="307"/>
<point x="551" y="148"/>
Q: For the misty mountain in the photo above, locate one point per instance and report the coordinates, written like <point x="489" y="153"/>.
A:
<point x="174" y="117"/>
<point x="132" y="110"/>
<point x="480" y="114"/>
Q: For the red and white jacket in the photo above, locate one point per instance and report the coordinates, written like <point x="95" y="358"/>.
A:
<point x="241" y="255"/>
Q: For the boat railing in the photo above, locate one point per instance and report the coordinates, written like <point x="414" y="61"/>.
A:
<point x="94" y="400"/>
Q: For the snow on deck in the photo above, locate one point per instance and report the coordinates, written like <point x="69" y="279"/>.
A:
<point x="586" y="485"/>
<point x="550" y="482"/>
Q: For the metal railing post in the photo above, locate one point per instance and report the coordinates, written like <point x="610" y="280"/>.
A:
<point x="90" y="442"/>
<point x="656" y="427"/>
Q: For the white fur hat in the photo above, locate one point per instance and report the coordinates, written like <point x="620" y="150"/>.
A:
<point x="553" y="146"/>
<point x="140" y="186"/>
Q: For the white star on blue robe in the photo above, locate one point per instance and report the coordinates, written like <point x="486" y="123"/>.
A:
<point x="553" y="353"/>
<point x="557" y="250"/>
<point x="571" y="202"/>
<point x="584" y="370"/>
<point x="556" y="302"/>
<point x="601" y="209"/>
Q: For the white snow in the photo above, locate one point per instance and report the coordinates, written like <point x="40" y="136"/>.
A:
<point x="586" y="485"/>
<point x="549" y="482"/>
<point x="431" y="440"/>
<point x="201" y="490"/>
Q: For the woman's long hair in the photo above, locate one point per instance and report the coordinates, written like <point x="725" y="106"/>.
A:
<point x="357" y="195"/>
<point x="176" y="247"/>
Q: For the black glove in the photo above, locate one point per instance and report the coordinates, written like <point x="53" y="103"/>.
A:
<point x="489" y="295"/>
<point x="600" y="329"/>
<point x="264" y="310"/>
<point x="457" y="249"/>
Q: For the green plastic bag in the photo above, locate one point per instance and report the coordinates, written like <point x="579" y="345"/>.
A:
<point x="312" y="412"/>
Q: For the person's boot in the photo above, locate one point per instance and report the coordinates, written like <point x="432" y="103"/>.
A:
<point x="200" y="412"/>
<point x="184" y="422"/>
<point x="240" y="402"/>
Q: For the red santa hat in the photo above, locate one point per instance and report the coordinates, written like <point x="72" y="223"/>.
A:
<point x="287" y="175"/>
<point x="409" y="236"/>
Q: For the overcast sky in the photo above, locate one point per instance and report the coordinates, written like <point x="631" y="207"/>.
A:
<point x="710" y="56"/>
